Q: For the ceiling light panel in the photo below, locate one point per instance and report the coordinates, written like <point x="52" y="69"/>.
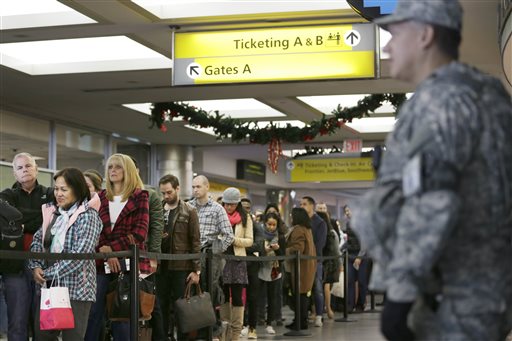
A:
<point x="234" y="108"/>
<point x="326" y="104"/>
<point x="238" y="108"/>
<point x="259" y="124"/>
<point x="117" y="53"/>
<point x="281" y="124"/>
<point x="173" y="9"/>
<point x="379" y="124"/>
<point x="373" y="125"/>
<point x="208" y="130"/>
<point x="38" y="13"/>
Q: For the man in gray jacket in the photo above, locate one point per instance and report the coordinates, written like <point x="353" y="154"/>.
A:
<point x="438" y="222"/>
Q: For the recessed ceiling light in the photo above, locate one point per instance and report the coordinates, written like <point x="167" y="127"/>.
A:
<point x="281" y="124"/>
<point x="144" y="108"/>
<point x="373" y="125"/>
<point x="259" y="124"/>
<point x="117" y="53"/>
<point x="38" y="13"/>
<point x="168" y="9"/>
<point x="234" y="108"/>
<point x="208" y="130"/>
<point x="326" y="104"/>
<point x="238" y="108"/>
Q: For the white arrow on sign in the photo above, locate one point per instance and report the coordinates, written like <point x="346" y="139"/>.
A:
<point x="194" y="70"/>
<point x="352" y="38"/>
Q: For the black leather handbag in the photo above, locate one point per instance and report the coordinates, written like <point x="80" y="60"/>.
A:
<point x="11" y="237"/>
<point x="195" y="312"/>
<point x="118" y="298"/>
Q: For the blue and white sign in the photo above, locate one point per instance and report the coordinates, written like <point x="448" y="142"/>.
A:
<point x="373" y="9"/>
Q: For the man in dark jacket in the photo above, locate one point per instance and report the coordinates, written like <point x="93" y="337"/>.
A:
<point x="27" y="195"/>
<point x="180" y="236"/>
<point x="357" y="267"/>
<point x="319" y="229"/>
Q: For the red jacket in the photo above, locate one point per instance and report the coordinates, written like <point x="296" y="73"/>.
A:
<point x="133" y="219"/>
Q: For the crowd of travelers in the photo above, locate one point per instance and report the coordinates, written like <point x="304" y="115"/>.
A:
<point x="84" y="213"/>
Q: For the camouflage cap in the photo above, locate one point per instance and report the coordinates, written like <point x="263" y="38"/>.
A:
<point x="447" y="13"/>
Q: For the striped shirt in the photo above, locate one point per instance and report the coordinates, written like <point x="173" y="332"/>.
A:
<point x="213" y="223"/>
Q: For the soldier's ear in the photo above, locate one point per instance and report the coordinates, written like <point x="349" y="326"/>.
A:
<point x="427" y="36"/>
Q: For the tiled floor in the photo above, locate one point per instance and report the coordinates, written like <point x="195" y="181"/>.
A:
<point x="365" y="327"/>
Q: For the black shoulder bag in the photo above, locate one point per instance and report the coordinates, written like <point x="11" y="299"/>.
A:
<point x="11" y="237"/>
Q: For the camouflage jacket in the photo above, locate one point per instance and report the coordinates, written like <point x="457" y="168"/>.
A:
<point x="442" y="202"/>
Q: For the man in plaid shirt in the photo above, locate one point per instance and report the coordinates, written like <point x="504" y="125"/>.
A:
<point x="213" y="219"/>
<point x="215" y="233"/>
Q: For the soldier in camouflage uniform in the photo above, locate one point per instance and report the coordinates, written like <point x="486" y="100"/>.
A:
<point x="439" y="220"/>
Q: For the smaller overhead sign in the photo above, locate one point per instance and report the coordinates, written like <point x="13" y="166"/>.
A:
<point x="250" y="170"/>
<point x="330" y="170"/>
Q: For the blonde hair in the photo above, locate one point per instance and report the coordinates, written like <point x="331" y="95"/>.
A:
<point x="131" y="178"/>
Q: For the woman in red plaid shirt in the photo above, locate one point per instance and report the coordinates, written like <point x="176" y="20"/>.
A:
<point x="124" y="211"/>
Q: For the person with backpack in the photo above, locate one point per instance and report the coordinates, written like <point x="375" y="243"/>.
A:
<point x="26" y="195"/>
<point x="331" y="266"/>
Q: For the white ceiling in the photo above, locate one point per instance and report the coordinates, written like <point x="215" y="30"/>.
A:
<point x="94" y="100"/>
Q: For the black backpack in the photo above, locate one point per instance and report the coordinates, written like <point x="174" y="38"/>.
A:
<point x="11" y="237"/>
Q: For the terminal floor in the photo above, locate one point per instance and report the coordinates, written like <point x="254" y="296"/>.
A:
<point x="364" y="327"/>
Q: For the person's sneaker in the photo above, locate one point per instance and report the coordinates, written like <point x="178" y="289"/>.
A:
<point x="245" y="331"/>
<point x="270" y="330"/>
<point x="252" y="334"/>
<point x="318" y="321"/>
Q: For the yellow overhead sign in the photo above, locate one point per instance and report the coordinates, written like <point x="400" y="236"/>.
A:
<point x="330" y="170"/>
<point x="277" y="54"/>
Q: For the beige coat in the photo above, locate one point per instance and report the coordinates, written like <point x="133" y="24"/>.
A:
<point x="243" y="237"/>
<point x="301" y="239"/>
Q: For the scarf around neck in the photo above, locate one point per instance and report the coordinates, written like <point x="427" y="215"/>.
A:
<point x="269" y="235"/>
<point x="59" y="228"/>
<point x="234" y="218"/>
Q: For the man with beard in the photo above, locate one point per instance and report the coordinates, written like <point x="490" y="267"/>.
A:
<point x="180" y="236"/>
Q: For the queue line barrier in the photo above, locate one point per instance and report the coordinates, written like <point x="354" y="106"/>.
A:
<point x="135" y="253"/>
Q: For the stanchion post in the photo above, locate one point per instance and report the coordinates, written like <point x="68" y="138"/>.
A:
<point x="297" y="331"/>
<point x="209" y="283"/>
<point x="134" y="293"/>
<point x="345" y="291"/>
<point x="372" y="300"/>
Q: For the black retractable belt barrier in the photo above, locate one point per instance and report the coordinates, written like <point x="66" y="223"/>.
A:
<point x="345" y="317"/>
<point x="135" y="253"/>
<point x="297" y="331"/>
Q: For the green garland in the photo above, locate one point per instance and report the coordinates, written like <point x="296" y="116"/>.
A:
<point x="238" y="130"/>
